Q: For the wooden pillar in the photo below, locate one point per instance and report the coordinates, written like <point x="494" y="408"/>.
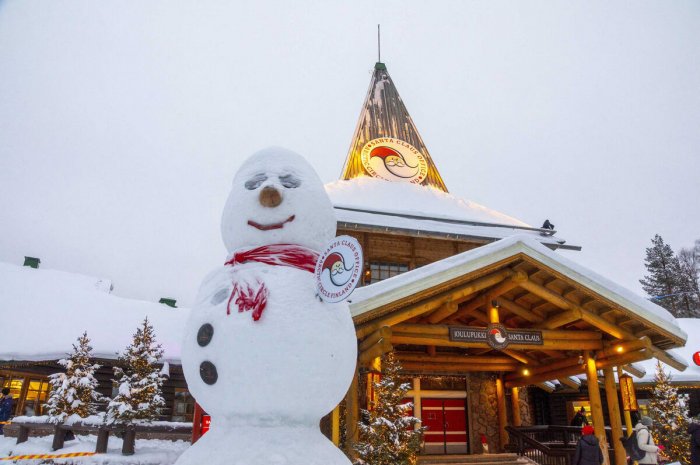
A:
<point x="417" y="403"/>
<point x="335" y="425"/>
<point x="515" y="398"/>
<point x="502" y="419"/>
<point x="352" y="416"/>
<point x="596" y="405"/>
<point x="614" y="414"/>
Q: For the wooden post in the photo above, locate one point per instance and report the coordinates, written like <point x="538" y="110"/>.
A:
<point x="515" y="398"/>
<point x="417" y="402"/>
<point x="59" y="437"/>
<point x="129" y="440"/>
<point x="614" y="414"/>
<point x="352" y="416"/>
<point x="335" y="425"/>
<point x="596" y="405"/>
<point x="102" y="440"/>
<point x="502" y="419"/>
<point x="23" y="434"/>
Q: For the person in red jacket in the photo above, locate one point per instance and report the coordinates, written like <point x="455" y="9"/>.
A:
<point x="588" y="450"/>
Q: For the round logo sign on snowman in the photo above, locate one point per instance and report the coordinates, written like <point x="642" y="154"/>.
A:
<point x="338" y="269"/>
<point x="394" y="160"/>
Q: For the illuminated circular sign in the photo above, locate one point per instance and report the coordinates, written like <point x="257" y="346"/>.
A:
<point x="394" y="160"/>
<point x="497" y="336"/>
<point x="338" y="269"/>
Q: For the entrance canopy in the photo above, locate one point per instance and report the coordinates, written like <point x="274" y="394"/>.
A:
<point x="545" y="312"/>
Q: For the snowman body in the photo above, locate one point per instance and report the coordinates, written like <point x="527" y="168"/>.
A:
<point x="267" y="382"/>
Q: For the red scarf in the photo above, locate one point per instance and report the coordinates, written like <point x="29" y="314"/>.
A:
<point x="254" y="296"/>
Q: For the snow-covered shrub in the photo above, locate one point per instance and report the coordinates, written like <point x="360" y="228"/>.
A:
<point x="138" y="380"/>
<point x="73" y="391"/>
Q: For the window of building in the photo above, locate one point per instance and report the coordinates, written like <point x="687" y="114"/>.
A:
<point x="183" y="408"/>
<point x="15" y="384"/>
<point x="382" y="270"/>
<point x="575" y="406"/>
<point x="36" y="397"/>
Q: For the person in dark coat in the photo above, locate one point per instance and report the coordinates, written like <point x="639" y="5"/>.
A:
<point x="580" y="418"/>
<point x="588" y="450"/>
<point x="694" y="431"/>
<point x="5" y="407"/>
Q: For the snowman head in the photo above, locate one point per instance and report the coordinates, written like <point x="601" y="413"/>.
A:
<point x="277" y="198"/>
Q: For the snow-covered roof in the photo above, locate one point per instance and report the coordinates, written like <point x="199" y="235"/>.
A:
<point x="46" y="310"/>
<point x="425" y="210"/>
<point x="368" y="298"/>
<point x="62" y="305"/>
<point x="691" y="326"/>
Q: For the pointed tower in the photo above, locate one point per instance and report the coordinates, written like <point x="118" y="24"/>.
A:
<point x="386" y="143"/>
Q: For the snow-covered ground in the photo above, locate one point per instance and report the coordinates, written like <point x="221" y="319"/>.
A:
<point x="148" y="451"/>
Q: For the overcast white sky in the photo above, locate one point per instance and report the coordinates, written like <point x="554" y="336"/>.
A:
<point x="122" y="123"/>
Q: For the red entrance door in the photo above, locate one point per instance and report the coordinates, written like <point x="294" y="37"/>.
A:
<point x="445" y="421"/>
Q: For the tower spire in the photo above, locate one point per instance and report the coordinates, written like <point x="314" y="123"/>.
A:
<point x="386" y="143"/>
<point x="379" y="43"/>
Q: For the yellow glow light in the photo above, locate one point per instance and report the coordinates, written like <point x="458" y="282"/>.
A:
<point x="619" y="349"/>
<point x="526" y="372"/>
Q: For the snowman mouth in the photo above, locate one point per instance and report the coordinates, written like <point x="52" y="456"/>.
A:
<point x="267" y="227"/>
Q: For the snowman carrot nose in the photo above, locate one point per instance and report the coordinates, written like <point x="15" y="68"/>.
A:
<point x="270" y="197"/>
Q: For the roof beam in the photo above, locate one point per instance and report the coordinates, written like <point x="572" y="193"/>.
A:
<point x="456" y="294"/>
<point x="520" y="311"/>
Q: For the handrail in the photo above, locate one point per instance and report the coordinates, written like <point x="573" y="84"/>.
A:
<point x="548" y="444"/>
<point x="538" y="451"/>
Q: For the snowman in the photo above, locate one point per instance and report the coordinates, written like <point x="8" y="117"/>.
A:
<point x="262" y="354"/>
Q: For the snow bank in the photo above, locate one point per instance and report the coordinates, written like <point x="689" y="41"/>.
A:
<point x="65" y="305"/>
<point x="148" y="451"/>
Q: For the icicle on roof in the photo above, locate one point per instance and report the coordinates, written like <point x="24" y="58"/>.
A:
<point x="386" y="144"/>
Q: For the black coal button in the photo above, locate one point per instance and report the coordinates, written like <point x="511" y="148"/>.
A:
<point x="204" y="335"/>
<point x="207" y="371"/>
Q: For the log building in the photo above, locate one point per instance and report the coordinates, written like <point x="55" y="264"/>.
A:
<point x="492" y="325"/>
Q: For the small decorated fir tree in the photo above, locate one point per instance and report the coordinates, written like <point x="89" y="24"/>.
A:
<point x="73" y="392"/>
<point x="669" y="410"/>
<point x="389" y="437"/>
<point x="138" y="380"/>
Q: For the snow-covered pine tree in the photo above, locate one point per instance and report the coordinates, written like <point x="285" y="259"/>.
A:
<point x="73" y="391"/>
<point x="669" y="410"/>
<point x="389" y="437"/>
<point x="663" y="278"/>
<point x="138" y="380"/>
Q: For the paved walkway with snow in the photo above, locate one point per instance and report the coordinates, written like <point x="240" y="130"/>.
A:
<point x="148" y="451"/>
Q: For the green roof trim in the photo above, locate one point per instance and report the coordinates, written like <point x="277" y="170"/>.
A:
<point x="380" y="65"/>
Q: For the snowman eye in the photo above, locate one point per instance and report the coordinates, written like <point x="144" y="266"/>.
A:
<point x="255" y="182"/>
<point x="290" y="181"/>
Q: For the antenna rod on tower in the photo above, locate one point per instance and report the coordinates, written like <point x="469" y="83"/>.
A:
<point x="379" y="43"/>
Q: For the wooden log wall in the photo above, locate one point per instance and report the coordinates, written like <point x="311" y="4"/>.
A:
<point x="411" y="251"/>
